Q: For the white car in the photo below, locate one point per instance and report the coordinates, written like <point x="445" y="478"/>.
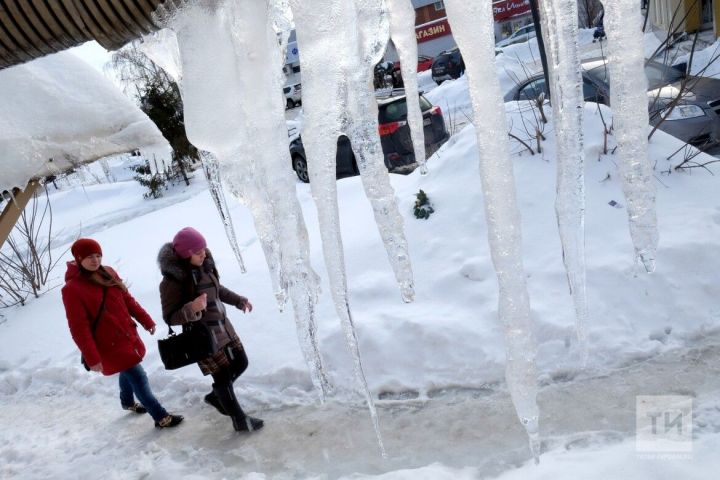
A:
<point x="293" y="94"/>
<point x="522" y="35"/>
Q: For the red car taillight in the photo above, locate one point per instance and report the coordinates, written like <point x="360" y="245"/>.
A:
<point x="435" y="110"/>
<point x="390" y="128"/>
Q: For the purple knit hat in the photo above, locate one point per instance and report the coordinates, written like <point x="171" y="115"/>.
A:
<point x="188" y="241"/>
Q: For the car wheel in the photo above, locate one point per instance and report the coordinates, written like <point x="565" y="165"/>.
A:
<point x="290" y="104"/>
<point x="300" y="167"/>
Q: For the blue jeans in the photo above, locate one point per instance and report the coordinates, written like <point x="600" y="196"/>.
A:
<point x="135" y="381"/>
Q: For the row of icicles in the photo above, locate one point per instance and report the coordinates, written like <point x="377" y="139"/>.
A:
<point x="232" y="47"/>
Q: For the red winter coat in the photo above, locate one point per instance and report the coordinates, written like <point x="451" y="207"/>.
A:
<point x="116" y="343"/>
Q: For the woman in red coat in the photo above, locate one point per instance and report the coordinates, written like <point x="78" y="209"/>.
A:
<point x="99" y="310"/>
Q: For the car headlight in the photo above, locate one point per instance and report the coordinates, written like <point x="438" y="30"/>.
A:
<point x="682" y="112"/>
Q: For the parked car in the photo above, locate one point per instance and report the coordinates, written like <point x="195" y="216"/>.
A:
<point x="448" y="65"/>
<point x="695" y="119"/>
<point x="522" y="35"/>
<point x="293" y="95"/>
<point x="394" y="138"/>
<point x="424" y="63"/>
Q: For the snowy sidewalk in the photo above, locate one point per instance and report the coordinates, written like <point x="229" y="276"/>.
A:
<point x="67" y="435"/>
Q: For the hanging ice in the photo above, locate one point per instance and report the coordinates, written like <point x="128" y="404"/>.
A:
<point x="630" y="123"/>
<point x="212" y="173"/>
<point x="402" y="33"/>
<point x="368" y="41"/>
<point x="472" y="26"/>
<point x="162" y="48"/>
<point x="325" y="32"/>
<point x="245" y="128"/>
<point x="213" y="122"/>
<point x="560" y="32"/>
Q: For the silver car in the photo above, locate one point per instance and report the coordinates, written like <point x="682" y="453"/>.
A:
<point x="695" y="119"/>
<point x="522" y="35"/>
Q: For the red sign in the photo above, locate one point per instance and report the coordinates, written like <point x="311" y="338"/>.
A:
<point x="429" y="31"/>
<point x="505" y="9"/>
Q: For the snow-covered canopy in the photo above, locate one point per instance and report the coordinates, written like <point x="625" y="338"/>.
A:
<point x="58" y="112"/>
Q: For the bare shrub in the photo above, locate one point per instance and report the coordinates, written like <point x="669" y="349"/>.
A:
<point x="26" y="258"/>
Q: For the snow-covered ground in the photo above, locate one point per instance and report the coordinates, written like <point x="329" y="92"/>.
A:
<point x="435" y="366"/>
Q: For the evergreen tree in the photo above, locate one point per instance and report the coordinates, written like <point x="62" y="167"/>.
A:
<point x="159" y="97"/>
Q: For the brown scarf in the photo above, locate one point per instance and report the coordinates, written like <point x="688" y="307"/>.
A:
<point x="104" y="278"/>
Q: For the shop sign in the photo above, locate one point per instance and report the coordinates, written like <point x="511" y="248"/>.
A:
<point x="429" y="31"/>
<point x="505" y="9"/>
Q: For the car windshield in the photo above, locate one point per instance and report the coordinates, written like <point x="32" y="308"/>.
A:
<point x="658" y="75"/>
<point x="396" y="111"/>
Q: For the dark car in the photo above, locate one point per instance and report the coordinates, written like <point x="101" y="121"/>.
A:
<point x="424" y="63"/>
<point x="448" y="65"/>
<point x="394" y="137"/>
<point x="695" y="119"/>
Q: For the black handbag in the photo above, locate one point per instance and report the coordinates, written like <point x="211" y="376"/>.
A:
<point x="94" y="327"/>
<point x="190" y="346"/>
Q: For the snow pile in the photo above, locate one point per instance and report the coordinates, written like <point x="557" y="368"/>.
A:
<point x="706" y="62"/>
<point x="59" y="112"/>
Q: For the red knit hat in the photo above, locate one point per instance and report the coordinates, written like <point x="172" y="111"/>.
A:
<point x="84" y="247"/>
<point x="188" y="241"/>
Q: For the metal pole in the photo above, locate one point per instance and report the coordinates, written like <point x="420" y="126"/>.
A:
<point x="541" y="44"/>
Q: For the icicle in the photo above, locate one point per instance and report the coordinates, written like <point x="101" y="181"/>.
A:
<point x="252" y="145"/>
<point x="162" y="48"/>
<point x="372" y="25"/>
<point x="212" y="173"/>
<point x="106" y="170"/>
<point x="154" y="154"/>
<point x="560" y="32"/>
<point x="628" y="100"/>
<point x="264" y="114"/>
<point x="213" y="124"/>
<point x="402" y="33"/>
<point x="324" y="31"/>
<point x="472" y="26"/>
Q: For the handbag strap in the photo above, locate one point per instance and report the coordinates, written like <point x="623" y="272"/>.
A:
<point x="97" y="317"/>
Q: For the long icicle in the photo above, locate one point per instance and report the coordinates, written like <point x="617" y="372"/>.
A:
<point x="402" y="33"/>
<point x="472" y="26"/>
<point x="321" y="33"/>
<point x="370" y="37"/>
<point x="162" y="48"/>
<point x="212" y="173"/>
<point x="263" y="113"/>
<point x="560" y="32"/>
<point x="213" y="124"/>
<point x="626" y="60"/>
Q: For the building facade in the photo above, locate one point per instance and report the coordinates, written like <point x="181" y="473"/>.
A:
<point x="685" y="15"/>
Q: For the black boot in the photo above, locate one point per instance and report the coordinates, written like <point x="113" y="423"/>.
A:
<point x="249" y="424"/>
<point x="225" y="395"/>
<point x="212" y="400"/>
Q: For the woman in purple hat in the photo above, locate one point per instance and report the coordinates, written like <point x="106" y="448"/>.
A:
<point x="190" y="291"/>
